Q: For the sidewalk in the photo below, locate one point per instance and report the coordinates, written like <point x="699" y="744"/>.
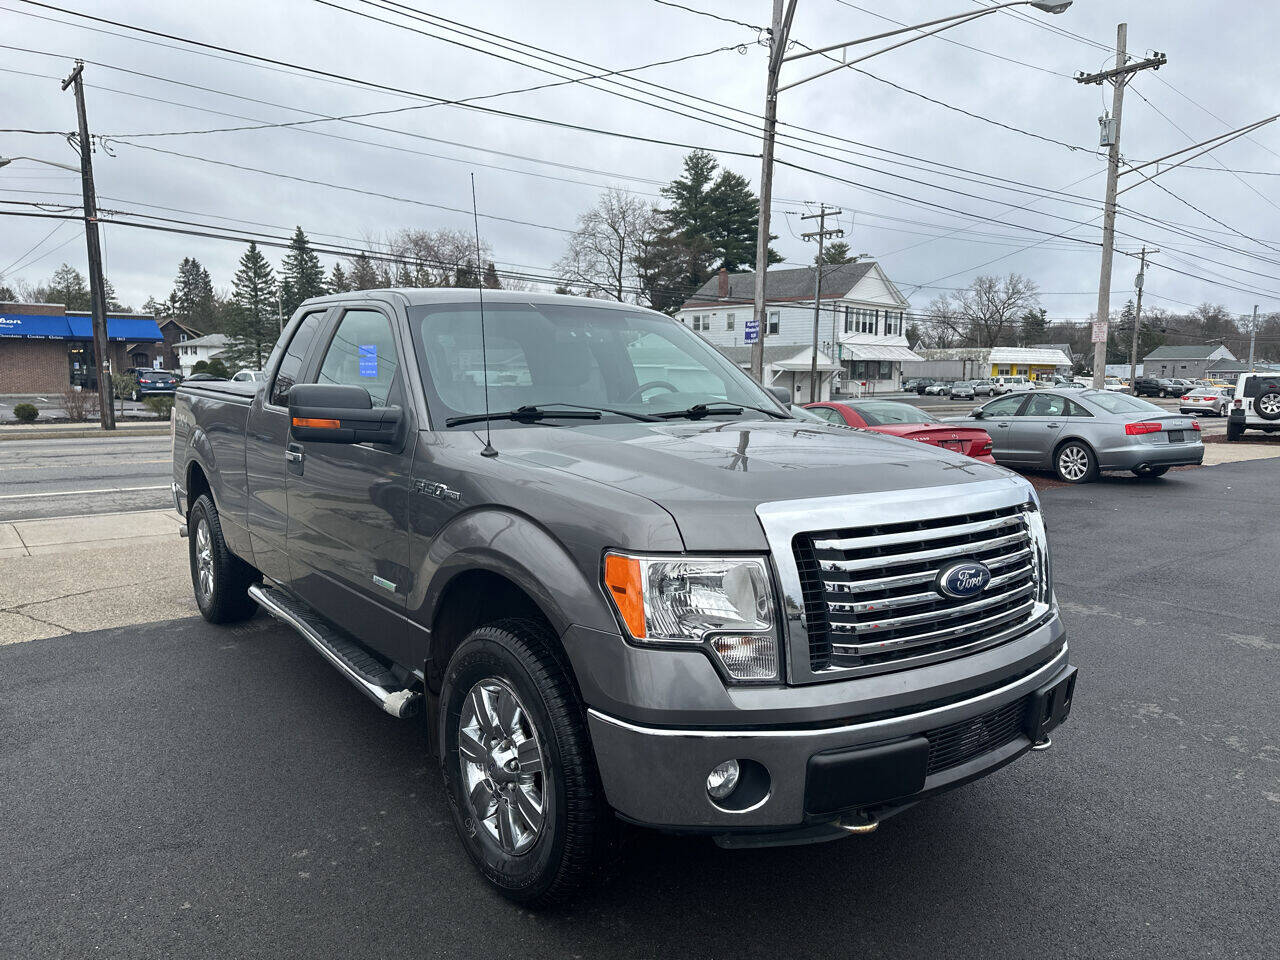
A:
<point x="71" y="574"/>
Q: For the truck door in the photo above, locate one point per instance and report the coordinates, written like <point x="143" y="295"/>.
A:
<point x="266" y="434"/>
<point x="348" y="536"/>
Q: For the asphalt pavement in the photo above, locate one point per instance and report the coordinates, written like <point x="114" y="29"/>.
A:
<point x="181" y="790"/>
<point x="58" y="478"/>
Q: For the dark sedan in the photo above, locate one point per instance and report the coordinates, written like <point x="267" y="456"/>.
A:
<point x="152" y="382"/>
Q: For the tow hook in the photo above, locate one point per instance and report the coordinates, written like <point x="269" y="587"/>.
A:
<point x="1041" y="745"/>
<point x="858" y="823"/>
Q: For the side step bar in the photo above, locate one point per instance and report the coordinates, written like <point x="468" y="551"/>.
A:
<point x="369" y="674"/>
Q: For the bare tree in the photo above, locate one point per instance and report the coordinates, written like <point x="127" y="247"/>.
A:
<point x="986" y="313"/>
<point x="602" y="254"/>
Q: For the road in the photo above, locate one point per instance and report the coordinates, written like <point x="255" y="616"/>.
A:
<point x="59" y="478"/>
<point x="181" y="790"/>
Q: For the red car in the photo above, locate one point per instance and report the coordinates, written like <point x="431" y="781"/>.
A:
<point x="904" y="420"/>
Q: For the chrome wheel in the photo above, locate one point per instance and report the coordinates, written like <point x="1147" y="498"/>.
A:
<point x="204" y="559"/>
<point x="502" y="770"/>
<point x="1073" y="463"/>
<point x="1269" y="406"/>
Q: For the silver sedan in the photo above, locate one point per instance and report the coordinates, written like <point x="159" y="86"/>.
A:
<point x="1080" y="433"/>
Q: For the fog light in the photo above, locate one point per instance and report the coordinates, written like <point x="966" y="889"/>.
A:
<point x="722" y="779"/>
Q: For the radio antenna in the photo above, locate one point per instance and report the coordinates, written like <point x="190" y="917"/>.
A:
<point x="488" y="450"/>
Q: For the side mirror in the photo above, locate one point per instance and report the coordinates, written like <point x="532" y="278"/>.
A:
<point x="338" y="413"/>
<point x="782" y="395"/>
<point x="977" y="413"/>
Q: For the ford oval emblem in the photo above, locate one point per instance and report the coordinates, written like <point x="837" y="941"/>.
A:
<point x="963" y="580"/>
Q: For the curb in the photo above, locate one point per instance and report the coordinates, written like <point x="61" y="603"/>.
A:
<point x="86" y="433"/>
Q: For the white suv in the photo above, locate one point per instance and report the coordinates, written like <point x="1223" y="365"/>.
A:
<point x="1000" y="385"/>
<point x="1256" y="405"/>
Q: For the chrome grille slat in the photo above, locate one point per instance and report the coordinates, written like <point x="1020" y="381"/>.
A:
<point x="872" y="600"/>
<point x="916" y="536"/>
<point x="937" y="553"/>
<point x="911" y="599"/>
<point x="950" y="633"/>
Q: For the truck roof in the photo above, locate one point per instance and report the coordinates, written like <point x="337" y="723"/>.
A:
<point x="418" y="296"/>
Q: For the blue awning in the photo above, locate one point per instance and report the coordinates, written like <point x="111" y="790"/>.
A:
<point x="33" y="326"/>
<point x="132" y="329"/>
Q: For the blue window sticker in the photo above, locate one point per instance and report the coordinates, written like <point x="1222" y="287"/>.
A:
<point x="368" y="353"/>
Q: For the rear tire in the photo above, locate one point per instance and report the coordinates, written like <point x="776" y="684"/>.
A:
<point x="540" y="834"/>
<point x="221" y="580"/>
<point x="1267" y="406"/>
<point x="1150" y="473"/>
<point x="1074" y="462"/>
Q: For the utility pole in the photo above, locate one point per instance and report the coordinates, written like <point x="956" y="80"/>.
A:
<point x="778" y="34"/>
<point x="821" y="234"/>
<point x="1253" y="334"/>
<point x="1118" y="77"/>
<point x="97" y="289"/>
<point x="1139" y="282"/>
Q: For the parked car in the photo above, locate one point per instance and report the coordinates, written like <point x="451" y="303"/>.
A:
<point x="600" y="579"/>
<point x="984" y="388"/>
<point x="1255" y="406"/>
<point x="1065" y="384"/>
<point x="904" y="420"/>
<point x="922" y="384"/>
<point x="1081" y="434"/>
<point x="964" y="390"/>
<point x="939" y="388"/>
<point x="247" y="376"/>
<point x="1214" y="400"/>
<point x="152" y="382"/>
<point x="1008" y="384"/>
<point x="1157" y="387"/>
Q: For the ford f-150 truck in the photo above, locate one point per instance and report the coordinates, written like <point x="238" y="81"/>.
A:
<point x="617" y="578"/>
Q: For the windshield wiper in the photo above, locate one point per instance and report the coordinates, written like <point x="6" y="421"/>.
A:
<point x="700" y="410"/>
<point x="525" y="414"/>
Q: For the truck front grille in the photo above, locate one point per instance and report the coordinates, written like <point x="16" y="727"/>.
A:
<point x="870" y="593"/>
<point x="958" y="743"/>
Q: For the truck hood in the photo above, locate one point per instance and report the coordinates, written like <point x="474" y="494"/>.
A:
<point x="711" y="474"/>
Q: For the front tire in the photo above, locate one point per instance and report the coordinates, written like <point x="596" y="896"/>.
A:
<point x="518" y="765"/>
<point x="221" y="580"/>
<point x="1074" y="462"/>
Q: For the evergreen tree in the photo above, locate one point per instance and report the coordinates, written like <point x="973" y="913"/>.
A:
<point x="8" y="294"/>
<point x="253" y="322"/>
<point x="338" y="282"/>
<point x="466" y="275"/>
<point x="68" y="287"/>
<point x="192" y="296"/>
<point x="491" y="280"/>
<point x="1034" y="324"/>
<point x="363" y="275"/>
<point x="301" y="275"/>
<point x="835" y="253"/>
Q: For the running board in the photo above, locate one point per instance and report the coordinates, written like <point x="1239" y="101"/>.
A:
<point x="369" y="674"/>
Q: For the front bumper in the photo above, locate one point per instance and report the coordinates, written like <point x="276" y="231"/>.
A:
<point x="657" y="776"/>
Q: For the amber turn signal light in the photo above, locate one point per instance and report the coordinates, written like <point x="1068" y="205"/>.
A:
<point x="622" y="580"/>
<point x="317" y="424"/>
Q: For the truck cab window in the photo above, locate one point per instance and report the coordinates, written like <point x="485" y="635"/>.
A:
<point x="362" y="353"/>
<point x="291" y="362"/>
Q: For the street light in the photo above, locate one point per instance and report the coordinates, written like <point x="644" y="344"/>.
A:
<point x="779" y="34"/>
<point x="5" y="161"/>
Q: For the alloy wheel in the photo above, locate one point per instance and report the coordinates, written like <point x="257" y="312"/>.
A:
<point x="502" y="766"/>
<point x="204" y="559"/>
<point x="1073" y="463"/>
<point x="1270" y="405"/>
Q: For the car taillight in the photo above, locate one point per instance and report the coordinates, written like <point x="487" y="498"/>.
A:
<point x="1186" y="398"/>
<point x="1237" y="403"/>
<point x="985" y="448"/>
<point x="1146" y="426"/>
<point x="1195" y="425"/>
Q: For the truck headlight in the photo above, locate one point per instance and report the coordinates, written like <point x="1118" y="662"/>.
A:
<point x="722" y="603"/>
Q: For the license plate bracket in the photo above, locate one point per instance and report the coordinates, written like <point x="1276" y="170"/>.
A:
<point x="1177" y="436"/>
<point x="1049" y="706"/>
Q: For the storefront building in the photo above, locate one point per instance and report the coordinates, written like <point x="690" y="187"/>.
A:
<point x="44" y="348"/>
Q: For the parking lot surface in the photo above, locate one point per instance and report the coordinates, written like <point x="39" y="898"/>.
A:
<point x="181" y="790"/>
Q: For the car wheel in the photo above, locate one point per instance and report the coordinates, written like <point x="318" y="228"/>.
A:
<point x="1268" y="406"/>
<point x="220" y="578"/>
<point x="134" y="396"/>
<point x="1148" y="473"/>
<point x="1234" y="430"/>
<point x="518" y="765"/>
<point x="1074" y="462"/>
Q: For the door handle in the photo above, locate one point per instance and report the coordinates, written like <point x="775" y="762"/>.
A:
<point x="1052" y="426"/>
<point x="293" y="453"/>
<point x="1002" y="425"/>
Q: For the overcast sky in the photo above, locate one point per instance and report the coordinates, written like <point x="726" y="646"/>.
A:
<point x="1221" y="56"/>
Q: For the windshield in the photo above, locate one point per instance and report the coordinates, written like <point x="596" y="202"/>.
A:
<point x="543" y="354"/>
<point x="879" y="413"/>
<point x="1120" y="403"/>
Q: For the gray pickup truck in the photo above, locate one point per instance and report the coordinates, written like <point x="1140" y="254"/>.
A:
<point x="616" y="577"/>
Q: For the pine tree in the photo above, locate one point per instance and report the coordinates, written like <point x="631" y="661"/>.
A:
<point x="491" y="280"/>
<point x="338" y="282"/>
<point x="363" y="275"/>
<point x="8" y="294"/>
<point x="467" y="276"/>
<point x="192" y="296"/>
<point x="253" y="322"/>
<point x="1034" y="324"/>
<point x="68" y="287"/>
<point x="301" y="275"/>
<point x="836" y="252"/>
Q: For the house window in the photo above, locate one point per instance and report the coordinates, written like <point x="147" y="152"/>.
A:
<point x="865" y="320"/>
<point x="848" y="321"/>
<point x="728" y="323"/>
<point x="1002" y="371"/>
<point x="774" y="318"/>
<point x="182" y="337"/>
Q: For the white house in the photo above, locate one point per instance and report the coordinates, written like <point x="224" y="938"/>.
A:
<point x="861" y="324"/>
<point x="192" y="351"/>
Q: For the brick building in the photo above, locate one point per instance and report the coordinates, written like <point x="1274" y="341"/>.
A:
<point x="44" y="348"/>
